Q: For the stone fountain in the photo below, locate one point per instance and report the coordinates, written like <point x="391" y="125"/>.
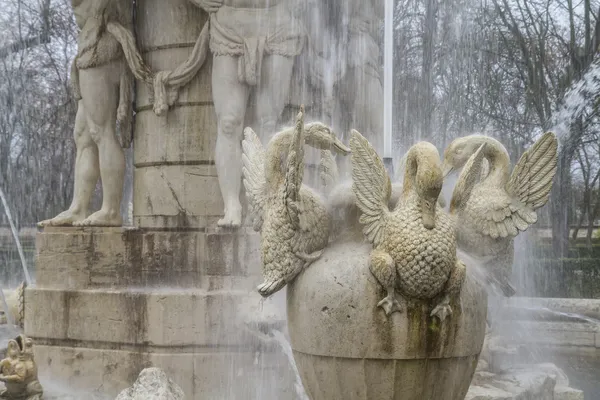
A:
<point x="369" y="316"/>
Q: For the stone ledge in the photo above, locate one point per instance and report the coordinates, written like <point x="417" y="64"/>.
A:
<point x="218" y="375"/>
<point x="88" y="258"/>
<point x="146" y="319"/>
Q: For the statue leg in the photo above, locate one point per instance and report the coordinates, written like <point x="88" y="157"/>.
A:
<point x="272" y="93"/>
<point x="230" y="98"/>
<point x="453" y="287"/>
<point x="103" y="85"/>
<point x="86" y="173"/>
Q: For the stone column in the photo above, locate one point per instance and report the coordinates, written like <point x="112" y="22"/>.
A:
<point x="175" y="180"/>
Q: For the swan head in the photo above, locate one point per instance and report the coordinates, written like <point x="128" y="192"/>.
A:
<point x="424" y="170"/>
<point x="320" y="136"/>
<point x="459" y="150"/>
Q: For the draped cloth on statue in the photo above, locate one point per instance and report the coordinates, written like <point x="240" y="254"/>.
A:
<point x="250" y="33"/>
<point x="247" y="33"/>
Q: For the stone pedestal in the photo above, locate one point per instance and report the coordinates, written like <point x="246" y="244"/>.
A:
<point x="172" y="292"/>
<point x="109" y="302"/>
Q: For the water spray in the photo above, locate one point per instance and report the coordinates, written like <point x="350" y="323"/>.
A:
<point x="16" y="237"/>
<point x="388" y="78"/>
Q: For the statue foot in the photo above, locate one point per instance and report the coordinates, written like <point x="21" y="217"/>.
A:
<point x="101" y="218"/>
<point x="390" y="304"/>
<point x="267" y="288"/>
<point x="65" y="218"/>
<point x="442" y="310"/>
<point x="232" y="217"/>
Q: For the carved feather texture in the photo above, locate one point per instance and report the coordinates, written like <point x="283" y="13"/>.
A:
<point x="531" y="179"/>
<point x="467" y="180"/>
<point x="295" y="171"/>
<point x="253" y="169"/>
<point x="371" y="186"/>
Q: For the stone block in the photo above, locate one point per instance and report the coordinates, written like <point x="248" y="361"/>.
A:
<point x="153" y="319"/>
<point x="92" y="258"/>
<point x="211" y="374"/>
<point x="172" y="139"/>
<point x="176" y="196"/>
<point x="161" y="23"/>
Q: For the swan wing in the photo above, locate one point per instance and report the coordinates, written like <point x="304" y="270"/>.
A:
<point x="531" y="179"/>
<point x="255" y="183"/>
<point x="490" y="212"/>
<point x="467" y="180"/>
<point x="502" y="212"/>
<point x="295" y="171"/>
<point x="372" y="187"/>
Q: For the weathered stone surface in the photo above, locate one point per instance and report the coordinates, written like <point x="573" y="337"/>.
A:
<point x="175" y="183"/>
<point x="92" y="258"/>
<point x="354" y="351"/>
<point x="209" y="373"/>
<point x="152" y="384"/>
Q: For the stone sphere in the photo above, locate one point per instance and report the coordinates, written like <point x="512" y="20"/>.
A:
<point x="346" y="348"/>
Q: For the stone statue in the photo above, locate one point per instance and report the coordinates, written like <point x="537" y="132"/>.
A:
<point x="102" y="83"/>
<point x="18" y="371"/>
<point x="254" y="43"/>
<point x="501" y="205"/>
<point x="346" y="66"/>
<point x="414" y="244"/>
<point x="293" y="220"/>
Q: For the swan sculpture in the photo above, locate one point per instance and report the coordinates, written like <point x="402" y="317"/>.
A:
<point x="414" y="244"/>
<point x="293" y="220"/>
<point x="501" y="204"/>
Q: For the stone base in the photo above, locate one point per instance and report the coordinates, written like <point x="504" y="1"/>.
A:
<point x="109" y="302"/>
<point x="205" y="374"/>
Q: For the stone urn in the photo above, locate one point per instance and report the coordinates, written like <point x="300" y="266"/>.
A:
<point x="346" y="348"/>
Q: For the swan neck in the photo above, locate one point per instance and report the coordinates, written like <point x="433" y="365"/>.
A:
<point x="277" y="148"/>
<point x="499" y="161"/>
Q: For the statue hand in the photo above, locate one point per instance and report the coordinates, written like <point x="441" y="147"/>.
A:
<point x="210" y="6"/>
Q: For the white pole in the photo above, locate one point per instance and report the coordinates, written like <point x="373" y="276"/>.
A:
<point x="388" y="77"/>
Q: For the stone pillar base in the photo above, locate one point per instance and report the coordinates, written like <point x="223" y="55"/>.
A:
<point x="109" y="302"/>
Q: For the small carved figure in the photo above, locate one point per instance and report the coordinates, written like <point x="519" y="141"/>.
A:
<point x="102" y="83"/>
<point x="502" y="204"/>
<point x="414" y="243"/>
<point x="293" y="220"/>
<point x="19" y="372"/>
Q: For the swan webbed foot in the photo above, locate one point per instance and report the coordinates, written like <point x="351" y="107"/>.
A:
<point x="443" y="309"/>
<point x="389" y="303"/>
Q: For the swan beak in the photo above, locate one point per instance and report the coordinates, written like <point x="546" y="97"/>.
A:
<point x="340" y="147"/>
<point x="428" y="213"/>
<point x="447" y="168"/>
